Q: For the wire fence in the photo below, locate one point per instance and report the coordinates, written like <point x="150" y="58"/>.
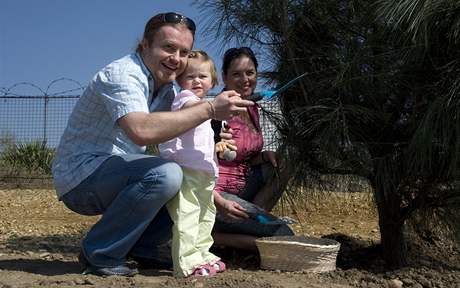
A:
<point x="32" y="121"/>
<point x="29" y="113"/>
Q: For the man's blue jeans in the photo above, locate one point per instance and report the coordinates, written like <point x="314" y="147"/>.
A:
<point x="130" y="192"/>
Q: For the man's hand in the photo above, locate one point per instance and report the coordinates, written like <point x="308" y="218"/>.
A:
<point x="229" y="103"/>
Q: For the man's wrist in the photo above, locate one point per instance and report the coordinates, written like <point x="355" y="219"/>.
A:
<point x="211" y="110"/>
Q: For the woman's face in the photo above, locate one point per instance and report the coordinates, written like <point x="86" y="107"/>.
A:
<point x="241" y="76"/>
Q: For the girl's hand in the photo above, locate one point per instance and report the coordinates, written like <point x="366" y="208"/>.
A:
<point x="226" y="134"/>
<point x="222" y="146"/>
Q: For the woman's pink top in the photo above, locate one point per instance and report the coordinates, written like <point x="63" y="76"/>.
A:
<point x="232" y="174"/>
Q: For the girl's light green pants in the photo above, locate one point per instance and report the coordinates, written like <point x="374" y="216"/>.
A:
<point x="193" y="213"/>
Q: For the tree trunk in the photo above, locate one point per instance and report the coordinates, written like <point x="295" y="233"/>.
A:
<point x="391" y="225"/>
<point x="393" y="243"/>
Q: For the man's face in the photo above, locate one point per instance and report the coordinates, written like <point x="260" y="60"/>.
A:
<point x="167" y="55"/>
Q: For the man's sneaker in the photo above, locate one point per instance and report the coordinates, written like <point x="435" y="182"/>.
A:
<point x="120" y="270"/>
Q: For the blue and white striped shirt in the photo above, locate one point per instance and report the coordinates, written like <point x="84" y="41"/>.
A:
<point x="92" y="134"/>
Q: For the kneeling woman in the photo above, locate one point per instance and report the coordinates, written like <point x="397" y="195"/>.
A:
<point x="250" y="185"/>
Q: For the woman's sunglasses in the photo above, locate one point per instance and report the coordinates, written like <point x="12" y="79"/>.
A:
<point x="175" y="18"/>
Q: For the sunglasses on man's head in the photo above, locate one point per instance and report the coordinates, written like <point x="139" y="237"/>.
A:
<point x="175" y="18"/>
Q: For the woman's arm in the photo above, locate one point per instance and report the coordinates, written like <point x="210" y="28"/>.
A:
<point x="264" y="157"/>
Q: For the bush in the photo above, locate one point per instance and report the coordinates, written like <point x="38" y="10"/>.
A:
<point x="34" y="156"/>
<point x="6" y="140"/>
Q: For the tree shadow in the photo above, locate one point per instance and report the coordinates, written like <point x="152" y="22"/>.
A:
<point x="41" y="266"/>
<point x="59" y="267"/>
<point x="358" y="254"/>
<point x="29" y="249"/>
<point x="364" y="255"/>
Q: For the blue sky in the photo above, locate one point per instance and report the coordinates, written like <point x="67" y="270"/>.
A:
<point x="44" y="40"/>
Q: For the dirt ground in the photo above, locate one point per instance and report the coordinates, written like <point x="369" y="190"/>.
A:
<point x="39" y="243"/>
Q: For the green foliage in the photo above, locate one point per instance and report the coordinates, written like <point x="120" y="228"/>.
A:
<point x="373" y="103"/>
<point x="6" y="140"/>
<point x="34" y="156"/>
<point x="381" y="98"/>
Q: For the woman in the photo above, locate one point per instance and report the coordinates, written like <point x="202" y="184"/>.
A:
<point x="249" y="185"/>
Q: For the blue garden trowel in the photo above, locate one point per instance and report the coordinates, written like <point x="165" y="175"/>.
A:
<point x="270" y="94"/>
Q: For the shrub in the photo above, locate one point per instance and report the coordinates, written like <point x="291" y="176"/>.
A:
<point x="33" y="156"/>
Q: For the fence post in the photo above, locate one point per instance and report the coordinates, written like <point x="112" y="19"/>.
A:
<point x="45" y="114"/>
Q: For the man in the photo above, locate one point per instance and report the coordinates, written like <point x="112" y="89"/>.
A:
<point x="100" y="166"/>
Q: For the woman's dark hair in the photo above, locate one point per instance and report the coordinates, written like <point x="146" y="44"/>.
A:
<point x="234" y="53"/>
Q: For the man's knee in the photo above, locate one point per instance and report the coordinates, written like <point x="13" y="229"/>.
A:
<point x="172" y="177"/>
<point x="165" y="179"/>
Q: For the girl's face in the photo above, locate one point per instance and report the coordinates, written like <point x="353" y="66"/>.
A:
<point x="196" y="78"/>
<point x="241" y="76"/>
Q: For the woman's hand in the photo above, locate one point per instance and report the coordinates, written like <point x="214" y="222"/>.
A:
<point x="232" y="211"/>
<point x="269" y="156"/>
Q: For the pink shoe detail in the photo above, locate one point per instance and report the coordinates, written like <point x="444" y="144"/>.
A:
<point x="219" y="266"/>
<point x="204" y="270"/>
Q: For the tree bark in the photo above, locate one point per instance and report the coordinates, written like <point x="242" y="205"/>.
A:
<point x="393" y="243"/>
<point x="391" y="225"/>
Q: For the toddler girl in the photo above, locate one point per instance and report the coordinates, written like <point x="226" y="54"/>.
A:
<point x="192" y="209"/>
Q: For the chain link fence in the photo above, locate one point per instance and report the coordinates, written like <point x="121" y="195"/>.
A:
<point x="32" y="121"/>
<point x="26" y="118"/>
<point x="31" y="124"/>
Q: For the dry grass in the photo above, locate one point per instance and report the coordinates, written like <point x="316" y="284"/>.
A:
<point x="325" y="212"/>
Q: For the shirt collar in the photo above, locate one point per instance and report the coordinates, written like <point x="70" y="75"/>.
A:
<point x="147" y="71"/>
<point x="143" y="67"/>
